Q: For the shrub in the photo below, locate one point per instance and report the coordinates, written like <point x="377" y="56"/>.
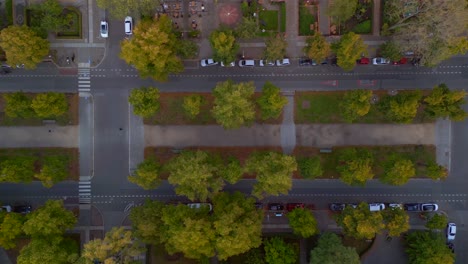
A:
<point x="192" y="105"/>
<point x="364" y="27"/>
<point x="310" y="168"/>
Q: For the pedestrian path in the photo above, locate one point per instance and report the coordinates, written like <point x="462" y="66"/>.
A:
<point x="288" y="128"/>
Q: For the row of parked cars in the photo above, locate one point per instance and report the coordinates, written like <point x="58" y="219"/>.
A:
<point x="246" y="63"/>
<point x="128" y="27"/>
<point x="374" y="207"/>
<point x="22" y="209"/>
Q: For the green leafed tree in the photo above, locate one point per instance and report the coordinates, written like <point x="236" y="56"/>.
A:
<point x="442" y="103"/>
<point x="49" y="250"/>
<point x="152" y="49"/>
<point x="391" y="51"/>
<point x="23" y="46"/>
<point x="224" y="45"/>
<point x="437" y="221"/>
<point x="145" y="101"/>
<point x="50" y="105"/>
<point x="310" y="167"/>
<point x="247" y="28"/>
<point x="401" y="108"/>
<point x="50" y="220"/>
<point x="18" y="105"/>
<point x="348" y="49"/>
<point x="398" y="172"/>
<point x="232" y="171"/>
<point x="396" y="221"/>
<point x="436" y="171"/>
<point x="118" y="246"/>
<point x="303" y="222"/>
<point x="54" y="169"/>
<point x="50" y="17"/>
<point x="355" y="166"/>
<point x="273" y="173"/>
<point x="341" y="10"/>
<point x="237" y="224"/>
<point x="275" y="48"/>
<point x="428" y="248"/>
<point x="330" y="249"/>
<point x="146" y="174"/>
<point x="147" y="221"/>
<point x="18" y="169"/>
<point x="194" y="175"/>
<point x="192" y="105"/>
<point x="277" y="251"/>
<point x="355" y="104"/>
<point x="11" y="227"/>
<point x="318" y="48"/>
<point x="271" y="102"/>
<point x="233" y="104"/>
<point x="360" y="222"/>
<point x="187" y="49"/>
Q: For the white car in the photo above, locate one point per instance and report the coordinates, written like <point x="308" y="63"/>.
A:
<point x="380" y="61"/>
<point x="246" y="63"/>
<point x="375" y="207"/>
<point x="429" y="207"/>
<point x="232" y="64"/>
<point x="6" y="208"/>
<point x="264" y="63"/>
<point x="104" y="29"/>
<point x="395" y="205"/>
<point x="451" y="231"/>
<point x="283" y="62"/>
<point x="208" y="62"/>
<point x="129" y="25"/>
<point x="200" y="205"/>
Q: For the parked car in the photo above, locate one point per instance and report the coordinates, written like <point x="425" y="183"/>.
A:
<point x="353" y="205"/>
<point x="129" y="25"/>
<point x="277" y="208"/>
<point x="292" y="206"/>
<point x="375" y="207"/>
<point x="104" y="29"/>
<point x="246" y="63"/>
<point x="5" y="69"/>
<point x="395" y="205"/>
<point x="429" y="207"/>
<point x="5" y="208"/>
<point x="22" y="209"/>
<point x="263" y="63"/>
<point x="283" y="62"/>
<point x="200" y="206"/>
<point x="425" y="207"/>
<point x="337" y="207"/>
<point x="451" y="231"/>
<point x="411" y="207"/>
<point x="380" y="61"/>
<point x="363" y="60"/>
<point x="231" y="64"/>
<point x="259" y="206"/>
<point x="306" y="62"/>
<point x="400" y="62"/>
<point x="208" y="62"/>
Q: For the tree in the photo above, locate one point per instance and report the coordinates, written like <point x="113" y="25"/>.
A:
<point x="275" y="48"/>
<point x="329" y="249"/>
<point x="50" y="17"/>
<point x="54" y="169"/>
<point x="53" y="250"/>
<point x="147" y="222"/>
<point x="224" y="45"/>
<point x="237" y="224"/>
<point x="398" y="171"/>
<point x="187" y="49"/>
<point x="10" y="229"/>
<point x="119" y="9"/>
<point x="437" y="221"/>
<point x="428" y="248"/>
<point x="273" y="173"/>
<point x="194" y="175"/>
<point x="145" y="101"/>
<point x="18" y="105"/>
<point x="50" y="220"/>
<point x="50" y="105"/>
<point x="355" y="166"/>
<point x="279" y="252"/>
<point x="152" y="49"/>
<point x="348" y="49"/>
<point x="192" y="104"/>
<point x="118" y="246"/>
<point x="271" y="102"/>
<point x="232" y="170"/>
<point x="247" y="28"/>
<point x="403" y="107"/>
<point x="233" y="104"/>
<point x="147" y="174"/>
<point x="310" y="167"/>
<point x="442" y="103"/>
<point x="318" y="48"/>
<point x="302" y="222"/>
<point x="360" y="222"/>
<point x="396" y="221"/>
<point x="22" y="46"/>
<point x="356" y="103"/>
<point x="18" y="169"/>
<point x="391" y="51"/>
<point x="436" y="171"/>
<point x="342" y="10"/>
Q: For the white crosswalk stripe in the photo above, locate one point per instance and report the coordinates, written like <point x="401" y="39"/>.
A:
<point x="84" y="190"/>
<point x="84" y="79"/>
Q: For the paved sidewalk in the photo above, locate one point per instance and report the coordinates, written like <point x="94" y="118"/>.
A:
<point x="376" y="17"/>
<point x="292" y="27"/>
<point x="288" y="128"/>
<point x="39" y="137"/>
<point x="324" y="20"/>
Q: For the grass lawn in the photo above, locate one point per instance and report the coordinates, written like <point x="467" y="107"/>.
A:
<point x="269" y="20"/>
<point x="324" y="107"/>
<point x="73" y="29"/>
<point x="283" y="17"/>
<point x="305" y="20"/>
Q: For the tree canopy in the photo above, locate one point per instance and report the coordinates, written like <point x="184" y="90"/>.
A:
<point x="152" y="49"/>
<point x="360" y="222"/>
<point x="50" y="104"/>
<point x="437" y="221"/>
<point x="391" y="51"/>
<point x="18" y="104"/>
<point x="49" y="17"/>
<point x="403" y="107"/>
<point x="318" y="48"/>
<point x="275" y="48"/>
<point x="396" y="221"/>
<point x="146" y="174"/>
<point x="192" y="104"/>
<point x="303" y="222"/>
<point x="17" y="169"/>
<point x="425" y="247"/>
<point x="330" y="250"/>
<point x="398" y="171"/>
<point x="147" y="221"/>
<point x="145" y="101"/>
<point x="356" y="103"/>
<point x="247" y="28"/>
<point x="277" y="251"/>
<point x="442" y="103"/>
<point x="23" y="46"/>
<point x="355" y="166"/>
<point x="348" y="49"/>
<point x="224" y="45"/>
<point x="233" y="104"/>
<point x="54" y="250"/>
<point x="341" y="10"/>
<point x="54" y="169"/>
<point x="11" y="227"/>
<point x="271" y="102"/>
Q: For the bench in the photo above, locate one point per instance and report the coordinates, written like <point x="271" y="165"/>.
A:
<point x="326" y="150"/>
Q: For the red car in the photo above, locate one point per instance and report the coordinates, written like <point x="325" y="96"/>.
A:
<point x="292" y="206"/>
<point x="401" y="61"/>
<point x="363" y="60"/>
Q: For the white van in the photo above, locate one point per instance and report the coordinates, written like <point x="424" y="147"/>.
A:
<point x="246" y="63"/>
<point x="128" y="25"/>
<point x="374" y="207"/>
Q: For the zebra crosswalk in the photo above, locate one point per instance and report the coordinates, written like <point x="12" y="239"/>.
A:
<point x="84" y="190"/>
<point x="84" y="80"/>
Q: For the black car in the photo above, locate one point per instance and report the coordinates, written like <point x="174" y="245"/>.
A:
<point x="306" y="62"/>
<point x="259" y="205"/>
<point x="22" y="209"/>
<point x="412" y="207"/>
<point x="277" y="208"/>
<point x="337" y="207"/>
<point x="5" y="69"/>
